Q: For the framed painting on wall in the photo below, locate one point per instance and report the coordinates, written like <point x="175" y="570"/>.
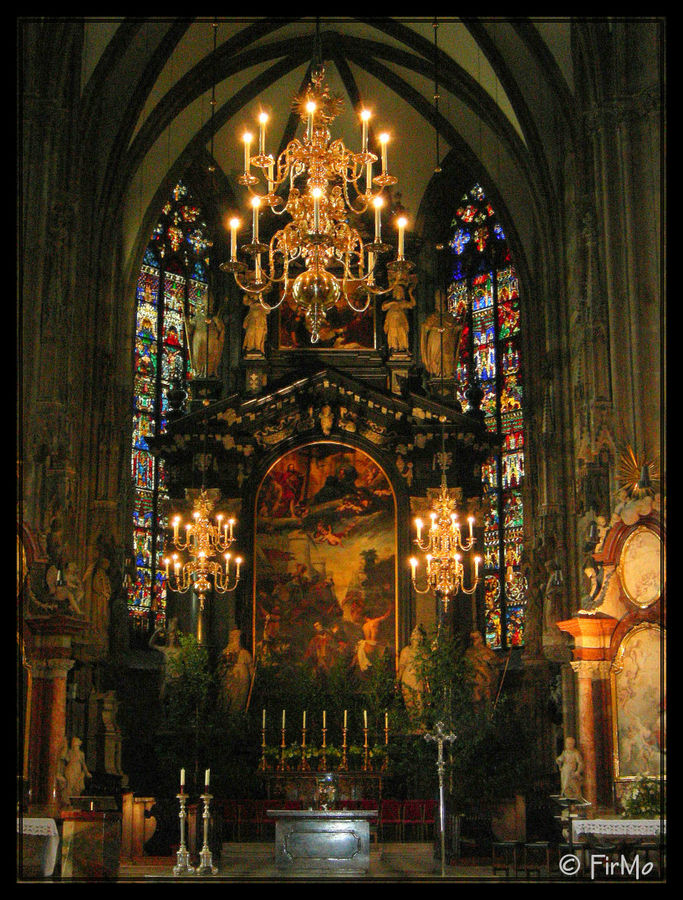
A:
<point x="325" y="560"/>
<point x="639" y="704"/>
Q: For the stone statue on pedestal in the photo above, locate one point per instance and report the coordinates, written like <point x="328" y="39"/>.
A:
<point x="484" y="663"/>
<point x="412" y="686"/>
<point x="170" y="650"/>
<point x="396" y="321"/>
<point x="237" y="669"/>
<point x="570" y="763"/>
<point x="72" y="771"/>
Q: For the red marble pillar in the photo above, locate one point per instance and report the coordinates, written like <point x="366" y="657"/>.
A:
<point x="586" y="736"/>
<point x="50" y="662"/>
<point x="592" y="633"/>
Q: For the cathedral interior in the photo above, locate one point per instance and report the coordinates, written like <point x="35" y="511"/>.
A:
<point x="340" y="447"/>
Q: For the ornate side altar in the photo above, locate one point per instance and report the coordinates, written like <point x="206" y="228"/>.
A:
<point x="317" y="840"/>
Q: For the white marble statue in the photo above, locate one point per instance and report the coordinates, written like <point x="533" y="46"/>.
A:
<point x="570" y="763"/>
<point x="170" y="650"/>
<point x="72" y="771"/>
<point x="412" y="686"/>
<point x="237" y="670"/>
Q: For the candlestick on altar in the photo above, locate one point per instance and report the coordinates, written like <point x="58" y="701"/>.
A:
<point x="182" y="866"/>
<point x="282" y="763"/>
<point x="440" y="736"/>
<point x="263" y="764"/>
<point x="344" y="765"/>
<point x="304" y="767"/>
<point x="385" y="761"/>
<point x="366" y="749"/>
<point x="322" y="764"/>
<point x="206" y="866"/>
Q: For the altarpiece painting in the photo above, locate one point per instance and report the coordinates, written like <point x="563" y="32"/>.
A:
<point x="325" y="560"/>
<point x="639" y="704"/>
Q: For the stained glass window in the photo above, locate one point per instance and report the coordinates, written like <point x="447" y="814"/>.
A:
<point x="483" y="281"/>
<point x="172" y="287"/>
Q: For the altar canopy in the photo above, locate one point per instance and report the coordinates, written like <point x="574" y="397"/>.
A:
<point x="325" y="559"/>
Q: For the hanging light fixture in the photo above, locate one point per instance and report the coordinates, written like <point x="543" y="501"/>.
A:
<point x="203" y="540"/>
<point x="444" y="544"/>
<point x="317" y="257"/>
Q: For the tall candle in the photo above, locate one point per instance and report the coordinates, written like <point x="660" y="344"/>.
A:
<point x="304" y="720"/>
<point x="263" y="118"/>
<point x="206" y="777"/>
<point x="365" y="718"/>
<point x="234" y="225"/>
<point x="283" y="720"/>
<point x="256" y="202"/>
<point x="386" y="720"/>
<point x="471" y="521"/>
<point x="402" y="222"/>
<point x="378" y="204"/>
<point x="344" y="719"/>
<point x="365" y="115"/>
<point x="324" y="719"/>
<point x="368" y="176"/>
<point x="418" y="525"/>
<point x="182" y="778"/>
<point x="264" y="720"/>
<point x="247" y="154"/>
<point x="383" y="139"/>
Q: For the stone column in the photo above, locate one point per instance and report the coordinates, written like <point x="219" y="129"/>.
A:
<point x="50" y="663"/>
<point x="586" y="737"/>
<point x="592" y="633"/>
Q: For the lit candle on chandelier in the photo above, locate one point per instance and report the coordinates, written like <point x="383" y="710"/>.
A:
<point x="402" y="222"/>
<point x="255" y="203"/>
<point x="433" y="516"/>
<point x="413" y="565"/>
<point x="271" y="179"/>
<point x="310" y="109"/>
<point x="378" y="203"/>
<point x="263" y="118"/>
<point x="234" y="225"/>
<point x="246" y="137"/>
<point x="167" y="562"/>
<point x="384" y="140"/>
<point x="231" y="523"/>
<point x="470" y="519"/>
<point x="365" y="115"/>
<point x="176" y="523"/>
<point x="418" y="525"/>
<point x="227" y="564"/>
<point x="477" y="560"/>
<point x="368" y="177"/>
<point x="238" y="561"/>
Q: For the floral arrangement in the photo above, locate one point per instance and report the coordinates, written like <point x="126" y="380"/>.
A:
<point x="643" y="799"/>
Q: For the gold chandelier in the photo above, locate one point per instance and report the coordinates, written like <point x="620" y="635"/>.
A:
<point x="203" y="540"/>
<point x="317" y="257"/>
<point x="444" y="545"/>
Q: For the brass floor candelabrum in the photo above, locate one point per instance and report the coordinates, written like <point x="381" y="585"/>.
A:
<point x="183" y="866"/>
<point x="206" y="866"/>
<point x="263" y="764"/>
<point x="344" y="764"/>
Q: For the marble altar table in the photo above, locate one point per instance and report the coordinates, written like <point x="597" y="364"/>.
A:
<point x="317" y="840"/>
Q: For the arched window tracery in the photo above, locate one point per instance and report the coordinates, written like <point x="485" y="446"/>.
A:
<point x="172" y="289"/>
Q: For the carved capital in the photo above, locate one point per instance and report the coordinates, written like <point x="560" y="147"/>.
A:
<point x="591" y="668"/>
<point x="51" y="668"/>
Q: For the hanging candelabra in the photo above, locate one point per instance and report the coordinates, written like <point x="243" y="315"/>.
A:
<point x="444" y="546"/>
<point x="318" y="257"/>
<point x="203" y="540"/>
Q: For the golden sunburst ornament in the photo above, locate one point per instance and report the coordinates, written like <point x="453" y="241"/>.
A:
<point x="638" y="473"/>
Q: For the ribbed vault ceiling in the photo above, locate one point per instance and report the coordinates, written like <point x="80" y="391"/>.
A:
<point x="504" y="87"/>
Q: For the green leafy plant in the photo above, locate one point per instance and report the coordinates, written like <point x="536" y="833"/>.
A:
<point x="643" y="799"/>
